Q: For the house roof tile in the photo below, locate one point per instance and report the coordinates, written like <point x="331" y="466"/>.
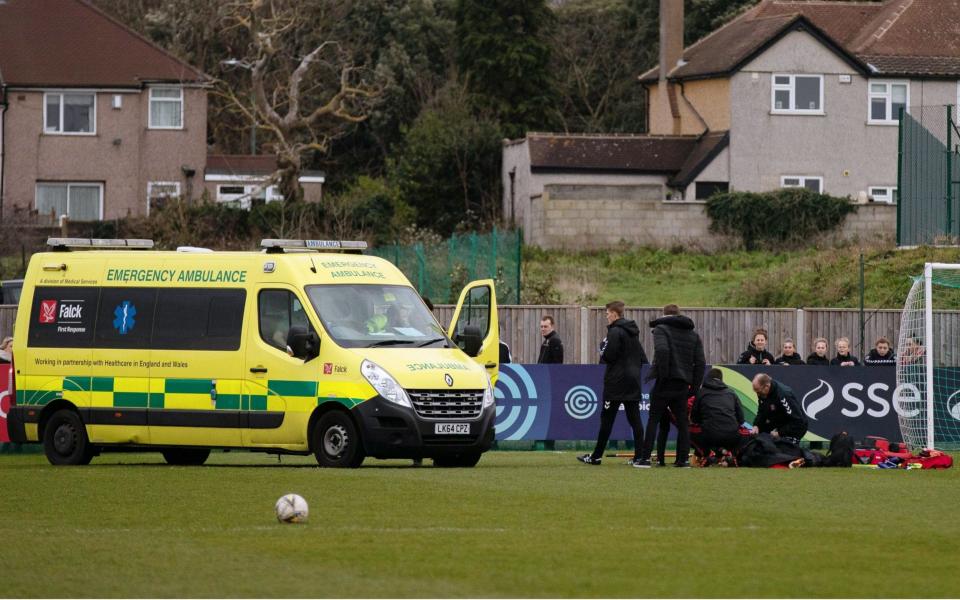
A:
<point x="604" y="153"/>
<point x="892" y="36"/>
<point x="46" y="43"/>
<point x="703" y="153"/>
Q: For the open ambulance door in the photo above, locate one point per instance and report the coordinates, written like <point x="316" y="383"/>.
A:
<point x="474" y="326"/>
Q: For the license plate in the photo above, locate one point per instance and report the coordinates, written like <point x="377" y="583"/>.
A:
<point x="452" y="428"/>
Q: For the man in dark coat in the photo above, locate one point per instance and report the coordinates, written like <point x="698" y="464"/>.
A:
<point x="718" y="412"/>
<point x="778" y="411"/>
<point x="678" y="364"/>
<point x="882" y="354"/>
<point x="623" y="355"/>
<point x="551" y="350"/>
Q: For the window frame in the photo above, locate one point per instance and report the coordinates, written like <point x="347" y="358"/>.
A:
<point x="259" y="314"/>
<point x="151" y="100"/>
<point x="36" y="194"/>
<point x="717" y="185"/>
<point x="803" y="181"/>
<point x="888" y="97"/>
<point x="152" y="184"/>
<point x="792" y="87"/>
<point x="271" y="193"/>
<point x="61" y="93"/>
<point x="891" y="191"/>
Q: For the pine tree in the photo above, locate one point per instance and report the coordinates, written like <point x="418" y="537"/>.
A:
<point x="504" y="59"/>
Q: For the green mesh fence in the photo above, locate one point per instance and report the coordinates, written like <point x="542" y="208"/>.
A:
<point x="441" y="270"/>
<point x="929" y="176"/>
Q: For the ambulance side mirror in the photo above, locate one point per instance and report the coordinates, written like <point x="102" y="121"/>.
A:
<point x="304" y="344"/>
<point x="470" y="340"/>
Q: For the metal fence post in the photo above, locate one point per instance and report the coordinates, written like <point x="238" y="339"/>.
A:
<point x="584" y="330"/>
<point x="899" y="197"/>
<point x="949" y="172"/>
<point x="801" y="333"/>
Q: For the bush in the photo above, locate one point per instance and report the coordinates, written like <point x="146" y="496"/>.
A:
<point x="783" y="217"/>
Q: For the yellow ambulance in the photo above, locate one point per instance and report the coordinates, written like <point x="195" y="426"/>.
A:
<point x="308" y="346"/>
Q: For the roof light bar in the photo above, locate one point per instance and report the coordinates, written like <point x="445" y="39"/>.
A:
<point x="280" y="245"/>
<point x="65" y="243"/>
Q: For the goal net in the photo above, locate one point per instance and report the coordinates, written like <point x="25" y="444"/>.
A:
<point x="928" y="360"/>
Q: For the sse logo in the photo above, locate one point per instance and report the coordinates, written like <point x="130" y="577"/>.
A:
<point x="48" y="311"/>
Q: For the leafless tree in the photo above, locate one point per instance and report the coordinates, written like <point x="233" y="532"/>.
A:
<point x="304" y="91"/>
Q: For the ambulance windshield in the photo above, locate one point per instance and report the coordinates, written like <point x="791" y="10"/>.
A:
<point x="365" y="316"/>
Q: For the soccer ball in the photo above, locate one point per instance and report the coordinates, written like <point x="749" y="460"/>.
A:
<point x="291" y="508"/>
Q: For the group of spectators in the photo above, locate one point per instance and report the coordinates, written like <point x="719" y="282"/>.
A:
<point x="703" y="409"/>
<point x="757" y="353"/>
<point x="551" y="350"/>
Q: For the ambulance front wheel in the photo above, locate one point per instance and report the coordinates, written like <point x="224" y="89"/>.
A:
<point x="65" y="440"/>
<point x="336" y="441"/>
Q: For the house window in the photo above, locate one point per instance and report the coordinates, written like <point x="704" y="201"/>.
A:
<point x="166" y="108"/>
<point x="881" y="193"/>
<point x="797" y="94"/>
<point x="814" y="184"/>
<point x="705" y="189"/>
<point x="159" y="191"/>
<point x="243" y="196"/>
<point x="886" y="99"/>
<point x="70" y="113"/>
<point x="79" y="201"/>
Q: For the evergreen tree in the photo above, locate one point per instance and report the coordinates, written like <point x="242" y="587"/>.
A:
<point x="504" y="59"/>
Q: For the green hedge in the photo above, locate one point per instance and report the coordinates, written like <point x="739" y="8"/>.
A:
<point x="773" y="219"/>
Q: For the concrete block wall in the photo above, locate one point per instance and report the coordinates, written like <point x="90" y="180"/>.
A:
<point x="593" y="217"/>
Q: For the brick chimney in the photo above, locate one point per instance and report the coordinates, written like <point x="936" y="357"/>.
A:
<point x="671" y="35"/>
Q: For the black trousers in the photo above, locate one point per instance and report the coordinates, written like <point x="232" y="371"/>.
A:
<point x="672" y="395"/>
<point x="608" y="415"/>
<point x="708" y="441"/>
<point x="662" y="434"/>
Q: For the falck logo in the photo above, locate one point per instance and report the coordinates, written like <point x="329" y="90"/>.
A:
<point x="124" y="320"/>
<point x="817" y="399"/>
<point x="48" y="311"/>
<point x="448" y="379"/>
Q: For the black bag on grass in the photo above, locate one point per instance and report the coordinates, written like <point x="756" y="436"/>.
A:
<point x="841" y="453"/>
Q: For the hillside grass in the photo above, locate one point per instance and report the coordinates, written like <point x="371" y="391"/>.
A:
<point x="652" y="277"/>
<point x="520" y="524"/>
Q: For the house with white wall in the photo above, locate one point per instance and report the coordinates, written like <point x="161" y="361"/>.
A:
<point x="803" y="93"/>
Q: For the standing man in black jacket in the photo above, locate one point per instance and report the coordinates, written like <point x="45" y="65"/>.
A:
<point x="551" y="350"/>
<point x="778" y="412"/>
<point x="623" y="355"/>
<point x="678" y="364"/>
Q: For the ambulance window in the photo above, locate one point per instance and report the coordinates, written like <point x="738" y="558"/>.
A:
<point x="198" y="319"/>
<point x="278" y="311"/>
<point x="475" y="311"/>
<point x="125" y="317"/>
<point x="63" y="317"/>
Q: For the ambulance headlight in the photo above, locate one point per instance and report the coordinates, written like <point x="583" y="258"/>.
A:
<point x="488" y="394"/>
<point x="384" y="383"/>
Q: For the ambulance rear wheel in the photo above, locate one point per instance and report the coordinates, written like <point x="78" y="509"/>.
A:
<point x="65" y="440"/>
<point x="336" y="441"/>
<point x="186" y="456"/>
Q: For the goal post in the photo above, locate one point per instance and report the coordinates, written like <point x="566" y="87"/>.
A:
<point x="928" y="359"/>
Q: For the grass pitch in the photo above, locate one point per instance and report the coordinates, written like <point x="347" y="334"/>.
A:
<point x="520" y="524"/>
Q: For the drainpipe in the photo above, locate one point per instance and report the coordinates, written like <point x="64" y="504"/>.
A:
<point x="706" y="128"/>
<point x="3" y="134"/>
